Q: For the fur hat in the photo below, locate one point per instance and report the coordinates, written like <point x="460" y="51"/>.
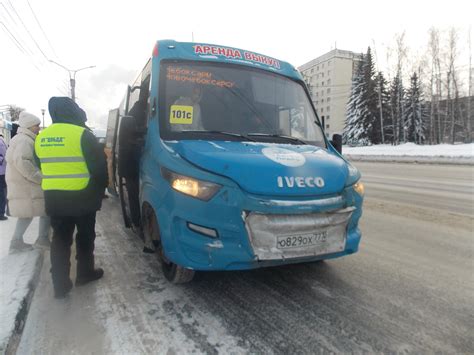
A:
<point x="28" y="120"/>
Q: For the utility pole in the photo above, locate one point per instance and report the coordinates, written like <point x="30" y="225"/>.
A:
<point x="72" y="77"/>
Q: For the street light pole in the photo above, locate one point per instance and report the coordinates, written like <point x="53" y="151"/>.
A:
<point x="42" y="112"/>
<point x="72" y="77"/>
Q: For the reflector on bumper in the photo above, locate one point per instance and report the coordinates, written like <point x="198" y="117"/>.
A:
<point x="274" y="236"/>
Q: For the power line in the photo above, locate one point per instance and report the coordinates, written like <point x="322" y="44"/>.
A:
<point x="8" y="12"/>
<point x="22" y="47"/>
<point x="18" y="38"/>
<point x="13" y="38"/>
<point x="27" y="31"/>
<point x="18" y="44"/>
<point x="39" y="25"/>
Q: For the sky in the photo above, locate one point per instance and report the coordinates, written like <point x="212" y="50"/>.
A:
<point x="117" y="37"/>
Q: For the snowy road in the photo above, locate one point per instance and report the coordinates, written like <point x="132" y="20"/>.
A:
<point x="410" y="288"/>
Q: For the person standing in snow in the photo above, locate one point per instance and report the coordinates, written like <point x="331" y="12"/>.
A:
<point x="23" y="178"/>
<point x="3" y="185"/>
<point x="74" y="178"/>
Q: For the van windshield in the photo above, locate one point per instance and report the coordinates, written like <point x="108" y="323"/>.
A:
<point x="231" y="102"/>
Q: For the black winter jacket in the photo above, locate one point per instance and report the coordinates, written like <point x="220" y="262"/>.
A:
<point x="78" y="203"/>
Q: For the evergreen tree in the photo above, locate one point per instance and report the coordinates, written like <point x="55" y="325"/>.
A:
<point x="363" y="120"/>
<point x="353" y="130"/>
<point x="415" y="112"/>
<point x="372" y="117"/>
<point x="387" y="124"/>
<point x="397" y="94"/>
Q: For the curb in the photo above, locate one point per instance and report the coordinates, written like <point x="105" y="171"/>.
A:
<point x="411" y="159"/>
<point x="22" y="314"/>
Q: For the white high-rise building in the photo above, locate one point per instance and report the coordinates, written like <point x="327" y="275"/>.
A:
<point x="329" y="78"/>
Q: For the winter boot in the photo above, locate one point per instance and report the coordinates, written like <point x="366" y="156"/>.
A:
<point x="92" y="275"/>
<point x="86" y="271"/>
<point x="42" y="243"/>
<point x="18" y="245"/>
<point x="62" y="289"/>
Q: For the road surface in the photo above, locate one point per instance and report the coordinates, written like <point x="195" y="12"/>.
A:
<point x="409" y="289"/>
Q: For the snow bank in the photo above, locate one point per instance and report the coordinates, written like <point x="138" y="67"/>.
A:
<point x="411" y="149"/>
<point x="19" y="273"/>
<point x="410" y="152"/>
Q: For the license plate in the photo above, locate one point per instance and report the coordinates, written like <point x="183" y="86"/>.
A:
<point x="301" y="240"/>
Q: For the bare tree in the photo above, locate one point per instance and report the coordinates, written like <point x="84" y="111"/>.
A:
<point x="468" y="120"/>
<point x="452" y="105"/>
<point x="402" y="50"/>
<point x="14" y="112"/>
<point x="434" y="93"/>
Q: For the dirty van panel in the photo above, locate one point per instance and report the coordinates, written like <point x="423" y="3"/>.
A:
<point x="110" y="143"/>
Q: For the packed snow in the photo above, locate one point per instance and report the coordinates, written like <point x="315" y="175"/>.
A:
<point x="18" y="270"/>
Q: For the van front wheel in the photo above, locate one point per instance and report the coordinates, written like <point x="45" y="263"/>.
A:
<point x="176" y="274"/>
<point x="151" y="230"/>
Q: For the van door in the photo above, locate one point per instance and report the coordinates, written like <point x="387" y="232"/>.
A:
<point x="131" y="135"/>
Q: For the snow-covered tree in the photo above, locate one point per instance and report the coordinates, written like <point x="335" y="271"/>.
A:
<point x="397" y="95"/>
<point x="363" y="120"/>
<point x="14" y="112"/>
<point x="354" y="129"/>
<point x="386" y="119"/>
<point x="415" y="112"/>
<point x="372" y="118"/>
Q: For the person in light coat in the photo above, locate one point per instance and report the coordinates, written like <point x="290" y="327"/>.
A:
<point x="23" y="177"/>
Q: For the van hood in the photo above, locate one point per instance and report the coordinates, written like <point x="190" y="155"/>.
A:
<point x="268" y="168"/>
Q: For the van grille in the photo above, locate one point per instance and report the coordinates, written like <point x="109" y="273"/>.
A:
<point x="285" y="236"/>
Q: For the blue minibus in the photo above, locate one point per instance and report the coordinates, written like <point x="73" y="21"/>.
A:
<point x="221" y="163"/>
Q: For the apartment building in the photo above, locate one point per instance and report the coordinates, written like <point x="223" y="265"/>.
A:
<point x="329" y="78"/>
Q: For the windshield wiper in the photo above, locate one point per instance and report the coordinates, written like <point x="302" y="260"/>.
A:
<point x="293" y="139"/>
<point x="242" y="136"/>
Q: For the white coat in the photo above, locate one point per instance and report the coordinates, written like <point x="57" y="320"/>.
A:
<point x="23" y="177"/>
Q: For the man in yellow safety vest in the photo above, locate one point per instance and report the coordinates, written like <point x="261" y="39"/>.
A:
<point x="74" y="173"/>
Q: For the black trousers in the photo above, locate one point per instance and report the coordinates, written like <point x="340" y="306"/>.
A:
<point x="63" y="230"/>
<point x="3" y="195"/>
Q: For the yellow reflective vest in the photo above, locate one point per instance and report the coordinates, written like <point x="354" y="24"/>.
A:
<point x="63" y="165"/>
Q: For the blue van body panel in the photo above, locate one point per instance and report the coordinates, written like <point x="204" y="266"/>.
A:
<point x="240" y="161"/>
<point x="254" y="178"/>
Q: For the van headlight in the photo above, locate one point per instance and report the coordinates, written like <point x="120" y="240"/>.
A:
<point x="203" y="190"/>
<point x="359" y="188"/>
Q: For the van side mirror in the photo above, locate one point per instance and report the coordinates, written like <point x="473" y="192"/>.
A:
<point x="337" y="142"/>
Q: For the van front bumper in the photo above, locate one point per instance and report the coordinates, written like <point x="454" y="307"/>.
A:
<point x="243" y="242"/>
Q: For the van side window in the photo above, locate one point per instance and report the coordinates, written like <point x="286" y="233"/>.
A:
<point x="138" y="102"/>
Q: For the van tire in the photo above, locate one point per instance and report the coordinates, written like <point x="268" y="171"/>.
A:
<point x="151" y="232"/>
<point x="176" y="274"/>
<point x="126" y="217"/>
